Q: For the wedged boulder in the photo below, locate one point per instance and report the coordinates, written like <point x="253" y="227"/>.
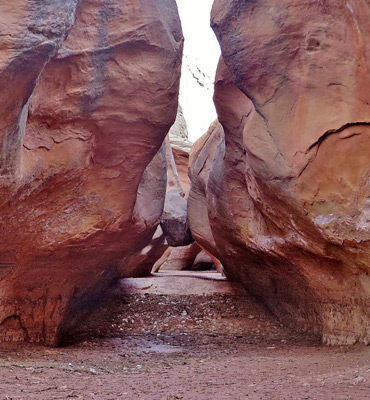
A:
<point x="74" y="200"/>
<point x="284" y="182"/>
<point x="174" y="221"/>
<point x="31" y="34"/>
<point x="172" y="166"/>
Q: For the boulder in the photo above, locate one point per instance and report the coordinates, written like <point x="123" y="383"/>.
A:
<point x="187" y="258"/>
<point x="174" y="221"/>
<point x="82" y="117"/>
<point x="178" y="258"/>
<point x="284" y="180"/>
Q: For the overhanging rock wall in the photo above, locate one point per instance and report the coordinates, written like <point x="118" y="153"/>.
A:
<point x="88" y="93"/>
<point x="284" y="180"/>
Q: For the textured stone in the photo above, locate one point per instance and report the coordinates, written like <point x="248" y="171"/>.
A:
<point x="181" y="147"/>
<point x="200" y="163"/>
<point x="174" y="220"/>
<point x="284" y="182"/>
<point x="178" y="258"/>
<point x="30" y="35"/>
<point x="74" y="201"/>
<point x="140" y="260"/>
<point x="202" y="262"/>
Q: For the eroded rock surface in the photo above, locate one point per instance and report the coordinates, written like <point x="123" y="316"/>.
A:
<point x="178" y="258"/>
<point x="181" y="147"/>
<point x="174" y="229"/>
<point x="174" y="221"/>
<point x="283" y="182"/>
<point x="75" y="200"/>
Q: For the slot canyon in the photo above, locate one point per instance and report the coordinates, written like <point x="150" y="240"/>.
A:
<point x="139" y="262"/>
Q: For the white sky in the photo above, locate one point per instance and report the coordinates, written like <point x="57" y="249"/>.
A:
<point x="201" y="54"/>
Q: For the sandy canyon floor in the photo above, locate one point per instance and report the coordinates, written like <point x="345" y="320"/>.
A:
<point x="190" y="336"/>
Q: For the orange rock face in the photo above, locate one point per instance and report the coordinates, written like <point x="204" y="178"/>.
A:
<point x="77" y="194"/>
<point x="284" y="182"/>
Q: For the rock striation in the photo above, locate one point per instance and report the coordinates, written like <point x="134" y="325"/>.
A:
<point x="89" y="92"/>
<point x="281" y="187"/>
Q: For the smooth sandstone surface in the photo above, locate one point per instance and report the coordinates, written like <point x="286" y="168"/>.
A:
<point x="283" y="182"/>
<point x="81" y="118"/>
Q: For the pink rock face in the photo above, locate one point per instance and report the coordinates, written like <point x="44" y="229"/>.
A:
<point x="75" y="200"/>
<point x="285" y="180"/>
